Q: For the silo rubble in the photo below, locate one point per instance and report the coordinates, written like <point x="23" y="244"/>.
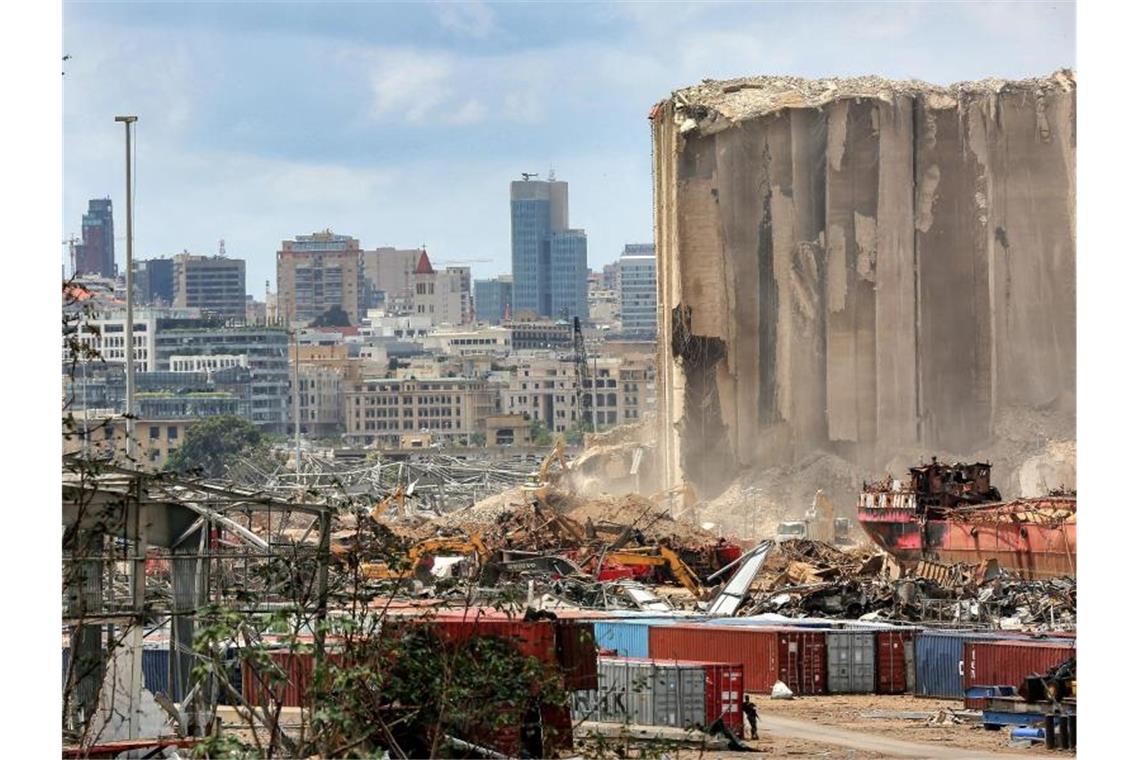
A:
<point x="862" y="267"/>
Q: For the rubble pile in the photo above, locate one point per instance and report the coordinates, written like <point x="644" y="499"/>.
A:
<point x="813" y="579"/>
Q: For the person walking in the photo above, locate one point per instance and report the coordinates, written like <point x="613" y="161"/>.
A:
<point x="752" y="715"/>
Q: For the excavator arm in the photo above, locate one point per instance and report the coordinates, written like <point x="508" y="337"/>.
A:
<point x="428" y="547"/>
<point x="661" y="556"/>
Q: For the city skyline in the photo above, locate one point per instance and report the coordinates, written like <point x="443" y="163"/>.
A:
<point x="412" y="135"/>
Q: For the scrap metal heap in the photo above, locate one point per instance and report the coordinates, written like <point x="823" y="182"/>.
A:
<point x="811" y="578"/>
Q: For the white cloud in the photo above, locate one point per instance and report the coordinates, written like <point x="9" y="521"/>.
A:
<point x="467" y="19"/>
<point x="409" y="85"/>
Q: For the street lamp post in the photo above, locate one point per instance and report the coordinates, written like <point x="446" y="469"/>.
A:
<point x="127" y="121"/>
<point x="138" y="569"/>
<point x="297" y="403"/>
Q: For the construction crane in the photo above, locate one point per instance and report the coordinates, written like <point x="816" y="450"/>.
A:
<point x="527" y="176"/>
<point x="466" y="261"/>
<point x="581" y="374"/>
<point x="70" y="243"/>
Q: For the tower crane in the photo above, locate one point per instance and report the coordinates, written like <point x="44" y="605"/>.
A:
<point x="527" y="176"/>
<point x="70" y="243"/>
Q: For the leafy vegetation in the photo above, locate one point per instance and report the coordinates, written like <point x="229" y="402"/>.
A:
<point x="213" y="444"/>
<point x="334" y="317"/>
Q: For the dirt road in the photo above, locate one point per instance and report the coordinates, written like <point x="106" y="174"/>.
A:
<point x="868" y="742"/>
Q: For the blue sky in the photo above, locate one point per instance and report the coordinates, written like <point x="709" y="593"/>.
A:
<point x="402" y="124"/>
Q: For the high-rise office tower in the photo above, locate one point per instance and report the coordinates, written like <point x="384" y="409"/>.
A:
<point x="96" y="254"/>
<point x="493" y="299"/>
<point x="548" y="259"/>
<point x="637" y="283"/>
<point x="316" y="273"/>
<point x="210" y="283"/>
<point x="154" y="281"/>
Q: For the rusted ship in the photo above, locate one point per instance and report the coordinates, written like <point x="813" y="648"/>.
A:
<point x="951" y="513"/>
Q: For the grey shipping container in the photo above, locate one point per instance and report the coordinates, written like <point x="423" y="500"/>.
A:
<point x="645" y="693"/>
<point x="851" y="662"/>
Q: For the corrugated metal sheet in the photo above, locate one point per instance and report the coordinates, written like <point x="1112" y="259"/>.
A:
<point x="724" y="695"/>
<point x="850" y="662"/>
<point x="577" y="654"/>
<point x="894" y="661"/>
<point x="1007" y="663"/>
<point x="798" y="657"/>
<point x="940" y="665"/>
<point x="779" y="621"/>
<point x="938" y="658"/>
<point x="803" y="660"/>
<point x="156" y="672"/>
<point x="627" y="638"/>
<point x="754" y="647"/>
<point x="653" y="693"/>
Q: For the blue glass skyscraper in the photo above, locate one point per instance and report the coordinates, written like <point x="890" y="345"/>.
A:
<point x="548" y="259"/>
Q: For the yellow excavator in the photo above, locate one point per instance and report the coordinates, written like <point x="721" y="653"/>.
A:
<point x="821" y="524"/>
<point x="658" y="556"/>
<point x="686" y="492"/>
<point x="424" y="550"/>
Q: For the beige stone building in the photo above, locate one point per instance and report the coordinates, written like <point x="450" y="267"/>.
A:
<point x="443" y="296"/>
<point x="379" y="411"/>
<point x="104" y="435"/>
<point x="316" y="273"/>
<point x="391" y="271"/>
<point x="325" y="371"/>
<point x="620" y="389"/>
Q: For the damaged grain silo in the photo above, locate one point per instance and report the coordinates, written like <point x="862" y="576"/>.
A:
<point x="859" y="266"/>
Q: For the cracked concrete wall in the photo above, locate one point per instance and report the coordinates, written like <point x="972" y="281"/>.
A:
<point x="886" y="269"/>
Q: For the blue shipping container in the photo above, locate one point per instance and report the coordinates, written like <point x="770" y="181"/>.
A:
<point x="156" y="672"/>
<point x="939" y="659"/>
<point x="629" y="638"/>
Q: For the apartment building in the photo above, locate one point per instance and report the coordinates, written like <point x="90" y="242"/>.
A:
<point x="379" y="410"/>
<point x="316" y="273"/>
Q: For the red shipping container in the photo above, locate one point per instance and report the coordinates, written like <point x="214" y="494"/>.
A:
<point x="1007" y="663"/>
<point x="894" y="662"/>
<point x="577" y="654"/>
<point x="298" y="670"/>
<point x="531" y="639"/>
<point x="724" y="695"/>
<point x="796" y="656"/>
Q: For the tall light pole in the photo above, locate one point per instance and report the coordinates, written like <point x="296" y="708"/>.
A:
<point x="127" y="121"/>
<point x="297" y="402"/>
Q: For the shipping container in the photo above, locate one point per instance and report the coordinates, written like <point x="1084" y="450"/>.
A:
<point x="798" y="657"/>
<point x="894" y="661"/>
<point x="850" y="662"/>
<point x="940" y="659"/>
<point x="1007" y="663"/>
<point x="156" y="672"/>
<point x="577" y="653"/>
<point x="779" y="621"/>
<point x="628" y="637"/>
<point x="680" y="694"/>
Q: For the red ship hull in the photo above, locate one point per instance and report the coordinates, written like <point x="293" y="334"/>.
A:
<point x="1035" y="538"/>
